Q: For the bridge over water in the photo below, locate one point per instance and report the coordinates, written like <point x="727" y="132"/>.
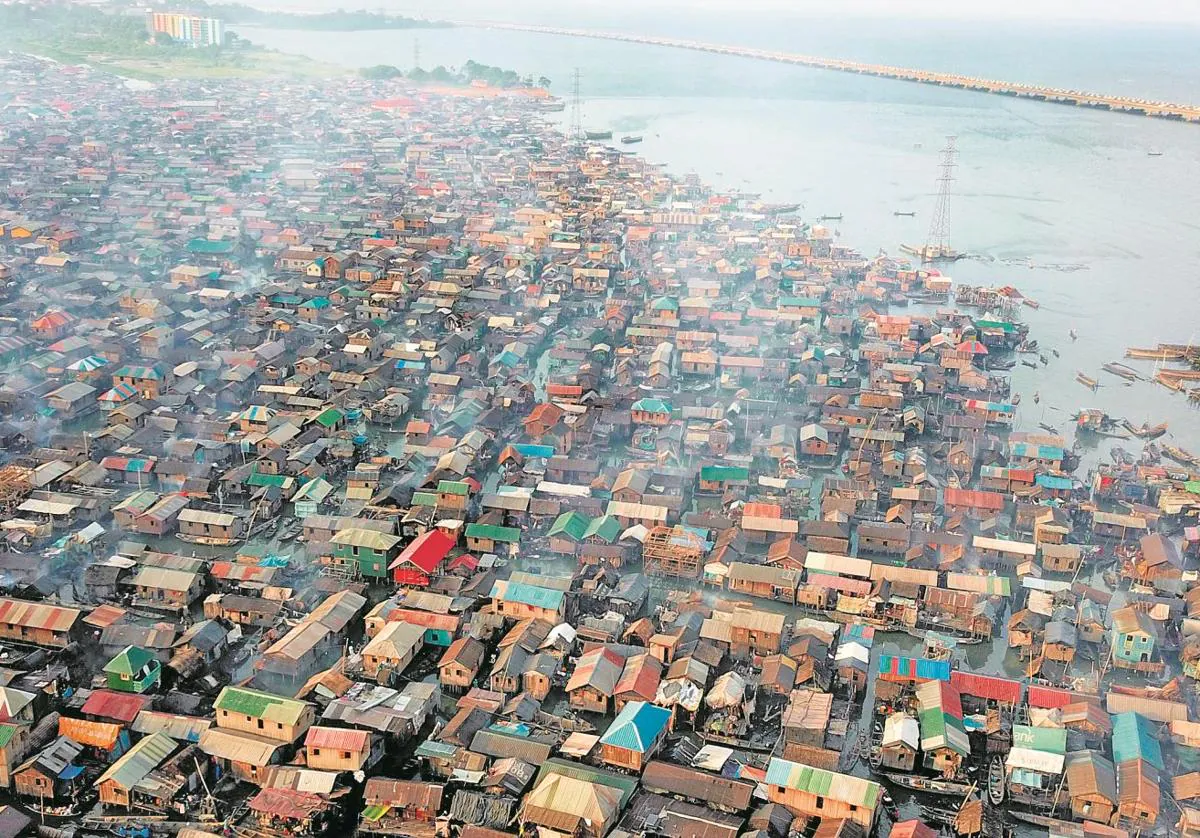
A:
<point x="1078" y="98"/>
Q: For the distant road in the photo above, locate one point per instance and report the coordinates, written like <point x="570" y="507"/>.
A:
<point x="1078" y="98"/>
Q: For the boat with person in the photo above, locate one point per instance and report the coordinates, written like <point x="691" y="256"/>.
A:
<point x="1145" y="431"/>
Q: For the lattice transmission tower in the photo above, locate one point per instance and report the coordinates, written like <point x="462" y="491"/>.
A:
<point x="937" y="244"/>
<point x="576" y="129"/>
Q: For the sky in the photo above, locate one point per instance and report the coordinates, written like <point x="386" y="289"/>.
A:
<point x="558" y="12"/>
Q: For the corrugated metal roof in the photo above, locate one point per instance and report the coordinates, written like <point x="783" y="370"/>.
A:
<point x="139" y="761"/>
<point x="37" y="615"/>
<point x="637" y="727"/>
<point x="337" y="738"/>
<point x="236" y="746"/>
<point x="1133" y="739"/>
<point x="262" y="705"/>
<point x="842" y="787"/>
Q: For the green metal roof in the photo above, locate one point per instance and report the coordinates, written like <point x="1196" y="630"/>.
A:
<point x="210" y="247"/>
<point x="452" y="487"/>
<point x="724" y="473"/>
<point x="572" y="524"/>
<point x="259" y="705"/>
<point x="508" y="535"/>
<point x="607" y="528"/>
<point x="329" y="417"/>
<point x="129" y="661"/>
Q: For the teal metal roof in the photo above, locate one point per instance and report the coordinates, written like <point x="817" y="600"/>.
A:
<point x="638" y="727"/>
<point x="527" y="594"/>
<point x="652" y="406"/>
<point x="1132" y="738"/>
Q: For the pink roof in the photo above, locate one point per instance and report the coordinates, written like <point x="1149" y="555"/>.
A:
<point x="337" y="739"/>
<point x="912" y="829"/>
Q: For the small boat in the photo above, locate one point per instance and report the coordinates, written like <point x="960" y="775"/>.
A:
<point x="1048" y="428"/>
<point x="830" y="218"/>
<point x="905" y="214"/>
<point x="1154" y="152"/>
<point x="997" y="780"/>
<point x="1086" y="381"/>
<point x="1169" y="382"/>
<point x="1158" y="354"/>
<point x="930" y="785"/>
<point x="1032" y="303"/>
<point x="1055" y="351"/>
<point x="1121" y="371"/>
<point x="598" y="135"/>
<point x="630" y="139"/>
<point x="1145" y="431"/>
<point x="1037" y="397"/>
<point x="1031" y="364"/>
<point x="1045" y="361"/>
<point x="1179" y="455"/>
<point x="1073" y="335"/>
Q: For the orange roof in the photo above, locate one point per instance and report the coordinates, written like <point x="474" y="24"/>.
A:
<point x="93" y="734"/>
<point x="762" y="510"/>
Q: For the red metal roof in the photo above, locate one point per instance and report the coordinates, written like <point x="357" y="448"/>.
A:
<point x="974" y="499"/>
<point x="986" y="686"/>
<point x="426" y="551"/>
<point x="1050" y="697"/>
<point x="123" y="707"/>
<point x="640" y="677"/>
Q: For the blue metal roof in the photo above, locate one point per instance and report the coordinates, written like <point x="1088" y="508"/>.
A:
<point x="1052" y="481"/>
<point x="1043" y="452"/>
<point x="527" y="449"/>
<point x="637" y="727"/>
